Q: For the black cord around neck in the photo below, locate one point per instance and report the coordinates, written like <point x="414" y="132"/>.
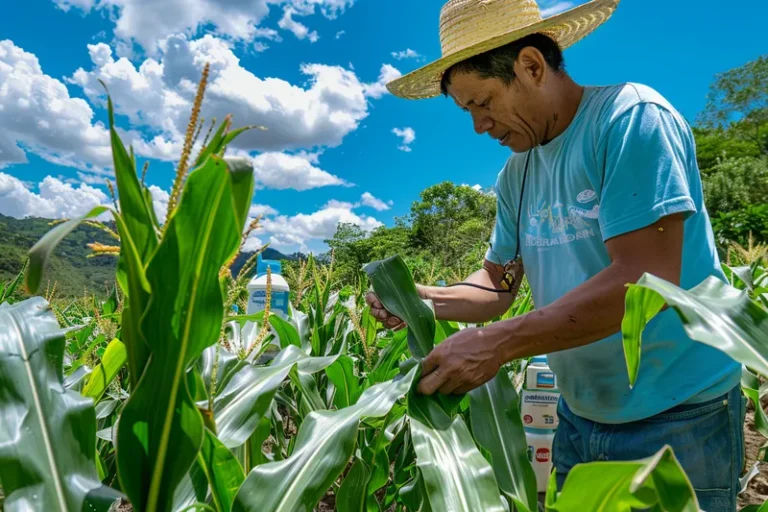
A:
<point x="517" y="233"/>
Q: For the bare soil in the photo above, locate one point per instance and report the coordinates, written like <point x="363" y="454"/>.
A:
<point x="757" y="491"/>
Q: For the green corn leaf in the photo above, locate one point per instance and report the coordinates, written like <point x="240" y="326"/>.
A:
<point x="7" y="291"/>
<point x="286" y="332"/>
<point x="224" y="473"/>
<point x="657" y="483"/>
<point x="393" y="285"/>
<point x="351" y="495"/>
<point x="241" y="175"/>
<point x="713" y="313"/>
<point x="324" y="445"/>
<point x="347" y="384"/>
<point x="245" y="392"/>
<point x="750" y="385"/>
<point x="139" y="220"/>
<point x="386" y="366"/>
<point x="42" y="250"/>
<point x="161" y="429"/>
<point x="455" y="474"/>
<point x="47" y="433"/>
<point x="131" y="276"/>
<point x="642" y="304"/>
<point x="497" y="427"/>
<point x="102" y="376"/>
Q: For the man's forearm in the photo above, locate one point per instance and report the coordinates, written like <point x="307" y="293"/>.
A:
<point x="587" y="314"/>
<point x="469" y="304"/>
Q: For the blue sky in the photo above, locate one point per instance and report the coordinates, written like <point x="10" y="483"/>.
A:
<point x="338" y="147"/>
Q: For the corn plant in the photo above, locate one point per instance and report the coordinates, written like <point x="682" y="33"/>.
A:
<point x="164" y="398"/>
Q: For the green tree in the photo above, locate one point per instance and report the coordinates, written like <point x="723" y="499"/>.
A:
<point x="351" y="250"/>
<point x="714" y="144"/>
<point x="738" y="100"/>
<point x="450" y="221"/>
<point x="736" y="183"/>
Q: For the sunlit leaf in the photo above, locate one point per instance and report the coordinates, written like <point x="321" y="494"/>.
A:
<point x="324" y="446"/>
<point x="713" y="313"/>
<point x="161" y="429"/>
<point x="658" y="482"/>
<point x="498" y="427"/>
<point x="47" y="433"/>
<point x="456" y="475"/>
<point x="105" y="372"/>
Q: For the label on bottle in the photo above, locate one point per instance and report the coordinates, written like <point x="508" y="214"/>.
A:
<point x="278" y="305"/>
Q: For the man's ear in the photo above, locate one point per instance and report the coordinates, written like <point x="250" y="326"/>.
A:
<point x="531" y="65"/>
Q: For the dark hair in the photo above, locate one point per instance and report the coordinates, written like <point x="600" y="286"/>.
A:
<point x="499" y="62"/>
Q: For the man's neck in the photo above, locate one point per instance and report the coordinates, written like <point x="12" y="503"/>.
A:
<point x="564" y="107"/>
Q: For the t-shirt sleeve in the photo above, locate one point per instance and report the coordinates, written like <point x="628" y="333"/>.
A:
<point x="503" y="243"/>
<point x="645" y="171"/>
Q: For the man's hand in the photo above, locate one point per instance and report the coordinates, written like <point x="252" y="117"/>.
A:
<point x="381" y="314"/>
<point x="461" y="363"/>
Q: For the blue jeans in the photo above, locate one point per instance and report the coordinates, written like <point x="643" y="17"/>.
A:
<point x="707" y="439"/>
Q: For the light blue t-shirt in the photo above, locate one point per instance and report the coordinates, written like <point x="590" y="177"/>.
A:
<point x="627" y="159"/>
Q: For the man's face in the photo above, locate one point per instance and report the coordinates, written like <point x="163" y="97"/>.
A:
<point x="511" y="114"/>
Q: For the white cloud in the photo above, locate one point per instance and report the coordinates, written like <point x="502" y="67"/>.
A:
<point x="158" y="94"/>
<point x="408" y="135"/>
<point x="283" y="171"/>
<point x="252" y="244"/>
<point x="160" y="202"/>
<point x="298" y="231"/>
<point x="148" y="22"/>
<point x="38" y="115"/>
<point x="406" y="54"/>
<point x="368" y="199"/>
<point x="299" y="29"/>
<point x="555" y="8"/>
<point x="340" y="33"/>
<point x="260" y="47"/>
<point x="379" y="88"/>
<point x="261" y="209"/>
<point x="55" y="199"/>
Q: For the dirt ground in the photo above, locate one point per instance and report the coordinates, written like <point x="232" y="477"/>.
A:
<point x="757" y="491"/>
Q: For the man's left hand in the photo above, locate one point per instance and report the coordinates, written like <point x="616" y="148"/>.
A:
<point x="462" y="362"/>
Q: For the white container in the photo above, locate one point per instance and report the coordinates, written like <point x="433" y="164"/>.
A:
<point x="540" y="455"/>
<point x="539" y="377"/>
<point x="257" y="290"/>
<point x="539" y="409"/>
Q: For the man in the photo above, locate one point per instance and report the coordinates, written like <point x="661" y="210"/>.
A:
<point x="603" y="186"/>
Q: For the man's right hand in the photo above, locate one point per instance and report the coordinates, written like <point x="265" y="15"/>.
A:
<point x="381" y="314"/>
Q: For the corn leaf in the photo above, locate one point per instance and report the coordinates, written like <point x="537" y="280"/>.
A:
<point x="286" y="332"/>
<point x="115" y="357"/>
<point x="642" y="304"/>
<point x="224" y="473"/>
<point x="42" y="250"/>
<point x="351" y="495"/>
<point x="497" y="427"/>
<point x="324" y="445"/>
<point x="6" y="291"/>
<point x="139" y="220"/>
<point x="161" y="429"/>
<point x="750" y="385"/>
<point x="247" y="391"/>
<point x="713" y="313"/>
<point x="394" y="286"/>
<point x="342" y="374"/>
<point x="47" y="433"/>
<point x="658" y="482"/>
<point x="456" y="475"/>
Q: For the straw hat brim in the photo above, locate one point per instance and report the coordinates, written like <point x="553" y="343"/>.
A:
<point x="565" y="28"/>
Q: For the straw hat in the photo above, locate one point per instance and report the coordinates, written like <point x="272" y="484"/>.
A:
<point x="472" y="27"/>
